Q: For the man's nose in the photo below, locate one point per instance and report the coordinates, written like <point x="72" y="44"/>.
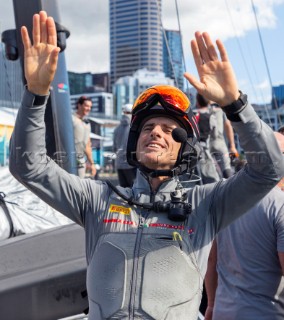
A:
<point x="156" y="131"/>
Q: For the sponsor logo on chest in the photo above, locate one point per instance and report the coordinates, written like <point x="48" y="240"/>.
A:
<point x="114" y="208"/>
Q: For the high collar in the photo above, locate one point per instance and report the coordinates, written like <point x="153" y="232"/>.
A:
<point x="142" y="187"/>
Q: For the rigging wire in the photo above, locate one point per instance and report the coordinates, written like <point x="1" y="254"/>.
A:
<point x="240" y="48"/>
<point x="266" y="63"/>
<point x="244" y="61"/>
<point x="167" y="45"/>
<point x="254" y="71"/>
<point x="179" y="28"/>
<point x="260" y="90"/>
<point x="252" y="64"/>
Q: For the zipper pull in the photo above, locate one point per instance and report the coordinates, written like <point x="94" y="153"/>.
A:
<point x="177" y="237"/>
<point x="141" y="221"/>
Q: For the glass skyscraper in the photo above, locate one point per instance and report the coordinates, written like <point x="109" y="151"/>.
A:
<point x="136" y="38"/>
<point x="172" y="57"/>
<point x="278" y="95"/>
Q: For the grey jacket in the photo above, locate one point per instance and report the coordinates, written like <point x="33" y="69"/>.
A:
<point x="141" y="265"/>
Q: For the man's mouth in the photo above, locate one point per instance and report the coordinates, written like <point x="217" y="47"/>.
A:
<point x="154" y="146"/>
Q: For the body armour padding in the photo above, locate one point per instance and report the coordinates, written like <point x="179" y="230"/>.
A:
<point x="108" y="281"/>
<point x="170" y="279"/>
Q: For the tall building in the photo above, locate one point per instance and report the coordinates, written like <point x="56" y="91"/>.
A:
<point x="136" y="39"/>
<point x="172" y="57"/>
<point x="278" y="95"/>
<point x="127" y="89"/>
<point x="11" y="84"/>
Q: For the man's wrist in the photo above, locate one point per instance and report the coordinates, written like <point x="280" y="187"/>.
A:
<point x="34" y="99"/>
<point x="232" y="110"/>
<point x="37" y="91"/>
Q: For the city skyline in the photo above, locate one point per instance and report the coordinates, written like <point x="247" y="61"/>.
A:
<point x="90" y="28"/>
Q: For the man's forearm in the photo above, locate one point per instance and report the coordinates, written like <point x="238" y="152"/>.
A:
<point x="30" y="164"/>
<point x="27" y="146"/>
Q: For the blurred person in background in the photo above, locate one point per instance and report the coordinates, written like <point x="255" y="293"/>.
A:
<point x="281" y="129"/>
<point x="82" y="131"/>
<point x="126" y="173"/>
<point x="217" y="143"/>
<point x="244" y="279"/>
<point x="207" y="127"/>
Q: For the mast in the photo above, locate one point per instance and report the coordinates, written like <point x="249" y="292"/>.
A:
<point x="59" y="128"/>
<point x="265" y="61"/>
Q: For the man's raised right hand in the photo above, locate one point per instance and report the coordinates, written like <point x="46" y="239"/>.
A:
<point x="41" y="56"/>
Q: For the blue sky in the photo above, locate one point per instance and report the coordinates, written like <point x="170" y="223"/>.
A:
<point x="228" y="20"/>
<point x="252" y="73"/>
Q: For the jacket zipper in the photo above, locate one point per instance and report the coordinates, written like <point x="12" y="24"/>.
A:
<point x="142" y="220"/>
<point x="135" y="265"/>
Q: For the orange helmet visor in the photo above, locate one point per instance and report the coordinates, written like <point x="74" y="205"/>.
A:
<point x="176" y="98"/>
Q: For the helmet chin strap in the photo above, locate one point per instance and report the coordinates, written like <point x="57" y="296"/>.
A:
<point x="164" y="173"/>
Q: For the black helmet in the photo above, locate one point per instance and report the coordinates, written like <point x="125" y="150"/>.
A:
<point x="281" y="129"/>
<point x="169" y="101"/>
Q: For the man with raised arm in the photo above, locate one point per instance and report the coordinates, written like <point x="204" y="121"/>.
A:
<point x="147" y="246"/>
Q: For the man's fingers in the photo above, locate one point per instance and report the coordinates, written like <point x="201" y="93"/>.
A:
<point x="53" y="59"/>
<point x="222" y="50"/>
<point x="36" y="30"/>
<point x="202" y="48"/>
<point x="210" y="47"/>
<point x="43" y="27"/>
<point x="51" y="31"/>
<point x="44" y="30"/>
<point x="25" y="38"/>
<point x="196" y="54"/>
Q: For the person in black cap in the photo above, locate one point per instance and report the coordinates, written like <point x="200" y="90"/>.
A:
<point x="126" y="173"/>
<point x="281" y="129"/>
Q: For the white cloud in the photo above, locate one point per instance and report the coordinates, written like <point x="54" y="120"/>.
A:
<point x="6" y="16"/>
<point x="89" y="25"/>
<point x="263" y="85"/>
<point x="205" y="15"/>
<point x="220" y="16"/>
